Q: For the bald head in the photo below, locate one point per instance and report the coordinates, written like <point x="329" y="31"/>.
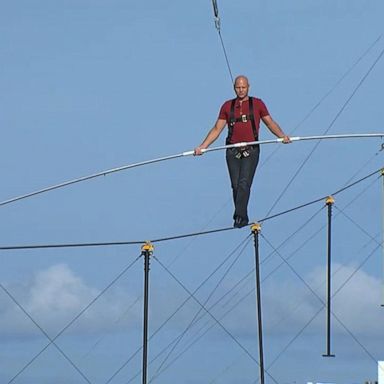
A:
<point x="241" y="87"/>
<point x="241" y="79"/>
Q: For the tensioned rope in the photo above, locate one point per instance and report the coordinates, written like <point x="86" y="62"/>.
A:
<point x="252" y="290"/>
<point x="181" y="305"/>
<point x="184" y="154"/>
<point x="124" y="243"/>
<point x="117" y="243"/>
<point x="344" y="188"/>
<point x="338" y="114"/>
<point x="329" y="92"/>
<point x="218" y="27"/>
<point x="217" y="321"/>
<point x="193" y="342"/>
<point x="220" y="300"/>
<point x="177" y="340"/>
<point x="53" y="339"/>
<point x="210" y="308"/>
<point x="315" y="315"/>
<point x="320" y="199"/>
<point x="320" y="299"/>
<point x="195" y="317"/>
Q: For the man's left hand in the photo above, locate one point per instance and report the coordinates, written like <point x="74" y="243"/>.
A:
<point x="286" y="140"/>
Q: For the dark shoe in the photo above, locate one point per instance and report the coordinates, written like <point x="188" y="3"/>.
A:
<point x="240" y="222"/>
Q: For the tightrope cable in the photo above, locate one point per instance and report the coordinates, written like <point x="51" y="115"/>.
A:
<point x="47" y="246"/>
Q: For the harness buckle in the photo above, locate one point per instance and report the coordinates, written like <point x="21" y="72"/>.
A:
<point x="241" y="153"/>
<point x="244" y="118"/>
<point x="238" y="155"/>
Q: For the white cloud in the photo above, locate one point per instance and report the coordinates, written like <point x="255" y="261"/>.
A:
<point x="54" y="296"/>
<point x="288" y="305"/>
<point x="57" y="290"/>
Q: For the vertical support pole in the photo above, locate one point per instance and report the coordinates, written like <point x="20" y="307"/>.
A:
<point x="382" y="236"/>
<point x="329" y="202"/>
<point x="146" y="252"/>
<point x="256" y="228"/>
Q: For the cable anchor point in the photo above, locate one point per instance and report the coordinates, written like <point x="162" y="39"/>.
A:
<point x="329" y="200"/>
<point x="147" y="247"/>
<point x="256" y="228"/>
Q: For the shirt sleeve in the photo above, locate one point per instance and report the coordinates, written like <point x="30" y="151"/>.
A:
<point x="223" y="114"/>
<point x="263" y="108"/>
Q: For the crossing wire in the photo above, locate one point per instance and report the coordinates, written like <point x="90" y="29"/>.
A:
<point x="334" y="294"/>
<point x="329" y="92"/>
<point x="318" y="312"/>
<point x="339" y="191"/>
<point x="357" y="269"/>
<point x="248" y="275"/>
<point x="140" y="242"/>
<point x="191" y="323"/>
<point x="266" y="277"/>
<point x="217" y="321"/>
<point x="358" y="226"/>
<point x="218" y="21"/>
<point x="361" y="82"/>
<point x="321" y="301"/>
<point x="180" y="307"/>
<point x="52" y="340"/>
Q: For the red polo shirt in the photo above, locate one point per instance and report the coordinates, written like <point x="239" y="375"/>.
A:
<point x="242" y="132"/>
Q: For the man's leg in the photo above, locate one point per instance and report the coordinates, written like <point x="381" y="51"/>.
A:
<point x="233" y="164"/>
<point x="244" y="182"/>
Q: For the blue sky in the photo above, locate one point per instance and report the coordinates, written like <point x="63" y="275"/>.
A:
<point x="91" y="85"/>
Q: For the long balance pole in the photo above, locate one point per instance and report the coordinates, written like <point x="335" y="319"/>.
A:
<point x="188" y="153"/>
<point x="255" y="228"/>
<point x="146" y="251"/>
<point x="329" y="202"/>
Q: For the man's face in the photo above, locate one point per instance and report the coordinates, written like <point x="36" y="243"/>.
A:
<point x="241" y="88"/>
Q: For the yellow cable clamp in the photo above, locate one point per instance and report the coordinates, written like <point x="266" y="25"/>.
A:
<point x="256" y="227"/>
<point x="329" y="200"/>
<point x="147" y="247"/>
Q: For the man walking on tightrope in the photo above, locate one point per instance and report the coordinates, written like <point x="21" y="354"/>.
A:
<point x="242" y="115"/>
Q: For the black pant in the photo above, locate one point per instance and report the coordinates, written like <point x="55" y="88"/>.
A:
<point x="241" y="171"/>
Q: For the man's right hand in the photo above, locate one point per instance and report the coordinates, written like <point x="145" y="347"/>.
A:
<point x="197" y="151"/>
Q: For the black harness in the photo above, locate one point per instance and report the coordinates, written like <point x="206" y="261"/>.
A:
<point x="243" y="118"/>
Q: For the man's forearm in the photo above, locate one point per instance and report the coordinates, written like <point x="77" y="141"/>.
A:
<point x="276" y="130"/>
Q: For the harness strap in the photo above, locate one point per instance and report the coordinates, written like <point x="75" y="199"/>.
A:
<point x="232" y="120"/>
<point x="252" y="117"/>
